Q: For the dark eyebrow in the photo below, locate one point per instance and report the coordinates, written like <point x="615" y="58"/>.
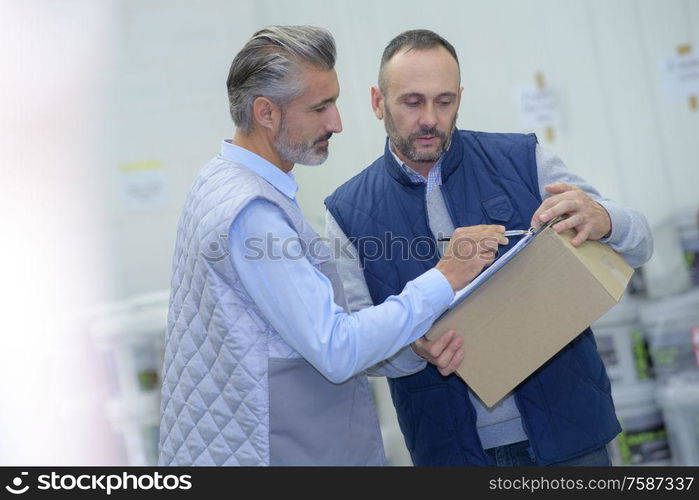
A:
<point x="409" y="95"/>
<point x="421" y="96"/>
<point x="329" y="100"/>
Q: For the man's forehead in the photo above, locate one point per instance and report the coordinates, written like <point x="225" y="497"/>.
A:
<point x="408" y="68"/>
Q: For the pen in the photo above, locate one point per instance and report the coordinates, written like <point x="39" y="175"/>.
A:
<point x="516" y="232"/>
<point x="513" y="232"/>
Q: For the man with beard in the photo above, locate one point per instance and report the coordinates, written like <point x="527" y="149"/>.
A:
<point x="262" y="365"/>
<point x="431" y="179"/>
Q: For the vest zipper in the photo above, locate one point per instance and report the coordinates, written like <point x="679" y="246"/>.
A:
<point x="423" y="186"/>
<point x="530" y="447"/>
<point x="447" y="203"/>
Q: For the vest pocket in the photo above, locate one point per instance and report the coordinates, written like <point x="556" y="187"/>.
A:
<point x="315" y="422"/>
<point x="499" y="208"/>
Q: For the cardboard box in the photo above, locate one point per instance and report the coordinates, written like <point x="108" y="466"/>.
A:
<point x="531" y="308"/>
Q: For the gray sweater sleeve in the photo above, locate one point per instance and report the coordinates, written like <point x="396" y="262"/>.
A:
<point x="630" y="236"/>
<point x="405" y="362"/>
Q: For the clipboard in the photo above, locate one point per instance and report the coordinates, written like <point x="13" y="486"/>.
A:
<point x="462" y="294"/>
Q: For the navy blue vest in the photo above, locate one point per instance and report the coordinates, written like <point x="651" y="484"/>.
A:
<point x="566" y="405"/>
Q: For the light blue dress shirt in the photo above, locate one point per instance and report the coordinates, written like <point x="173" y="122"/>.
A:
<point x="297" y="299"/>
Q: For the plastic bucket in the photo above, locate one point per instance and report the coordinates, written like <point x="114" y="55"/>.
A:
<point x="644" y="438"/>
<point x="622" y="345"/>
<point x="666" y="273"/>
<point x="679" y="400"/>
<point x="688" y="229"/>
<point x="132" y="335"/>
<point x="136" y="421"/>
<point x="671" y="327"/>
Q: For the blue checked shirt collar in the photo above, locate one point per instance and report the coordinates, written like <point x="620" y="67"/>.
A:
<point x="434" y="177"/>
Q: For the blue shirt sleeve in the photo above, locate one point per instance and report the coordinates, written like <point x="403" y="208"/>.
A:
<point x="297" y="299"/>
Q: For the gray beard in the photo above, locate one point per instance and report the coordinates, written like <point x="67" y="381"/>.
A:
<point x="303" y="153"/>
<point x="405" y="145"/>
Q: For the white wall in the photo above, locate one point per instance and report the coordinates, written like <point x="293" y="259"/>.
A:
<point x="168" y="104"/>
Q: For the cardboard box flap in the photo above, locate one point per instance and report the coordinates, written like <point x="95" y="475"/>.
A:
<point x="603" y="262"/>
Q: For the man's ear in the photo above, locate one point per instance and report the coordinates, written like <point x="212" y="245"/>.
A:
<point x="266" y="114"/>
<point x="377" y="102"/>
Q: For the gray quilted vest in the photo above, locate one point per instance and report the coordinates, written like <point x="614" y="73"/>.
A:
<point x="234" y="392"/>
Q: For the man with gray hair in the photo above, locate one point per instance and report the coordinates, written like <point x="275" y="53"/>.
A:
<point x="263" y="366"/>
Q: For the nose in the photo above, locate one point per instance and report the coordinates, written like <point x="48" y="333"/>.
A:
<point x="335" y="122"/>
<point x="428" y="117"/>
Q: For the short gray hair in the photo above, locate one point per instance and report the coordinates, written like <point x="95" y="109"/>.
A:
<point x="269" y="65"/>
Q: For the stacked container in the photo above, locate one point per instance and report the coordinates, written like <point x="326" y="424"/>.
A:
<point x="644" y="438"/>
<point x="671" y="326"/>
<point x="623" y="348"/>
<point x="687" y="223"/>
<point x="622" y="344"/>
<point x="679" y="400"/>
<point x="132" y="334"/>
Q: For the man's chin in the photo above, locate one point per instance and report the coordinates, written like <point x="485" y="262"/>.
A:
<point x="316" y="159"/>
<point x="426" y="159"/>
<point x="429" y="156"/>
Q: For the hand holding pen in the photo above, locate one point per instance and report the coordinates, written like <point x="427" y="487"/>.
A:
<point x="470" y="249"/>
